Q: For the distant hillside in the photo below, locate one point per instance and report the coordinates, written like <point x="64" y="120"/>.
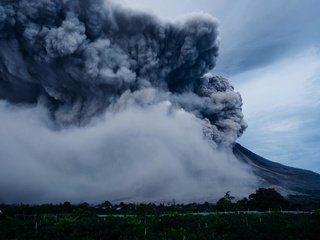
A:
<point x="287" y="180"/>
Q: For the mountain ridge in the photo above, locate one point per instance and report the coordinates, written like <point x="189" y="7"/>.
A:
<point x="287" y="180"/>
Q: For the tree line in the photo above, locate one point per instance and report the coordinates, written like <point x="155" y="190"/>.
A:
<point x="264" y="199"/>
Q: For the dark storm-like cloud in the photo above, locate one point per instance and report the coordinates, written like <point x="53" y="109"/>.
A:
<point x="85" y="49"/>
<point x="79" y="57"/>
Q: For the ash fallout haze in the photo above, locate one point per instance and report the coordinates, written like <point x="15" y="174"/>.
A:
<point x="101" y="102"/>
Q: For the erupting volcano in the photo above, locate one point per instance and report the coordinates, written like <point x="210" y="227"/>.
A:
<point x="100" y="102"/>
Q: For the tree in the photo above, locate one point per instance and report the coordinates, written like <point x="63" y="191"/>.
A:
<point x="225" y="203"/>
<point x="242" y="205"/>
<point x="265" y="199"/>
<point x="106" y="204"/>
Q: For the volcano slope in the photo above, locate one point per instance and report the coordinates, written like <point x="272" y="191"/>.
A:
<point x="293" y="182"/>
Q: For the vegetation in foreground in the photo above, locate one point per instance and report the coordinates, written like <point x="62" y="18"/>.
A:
<point x="164" y="221"/>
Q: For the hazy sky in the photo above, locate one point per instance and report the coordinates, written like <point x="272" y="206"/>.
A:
<point x="270" y="52"/>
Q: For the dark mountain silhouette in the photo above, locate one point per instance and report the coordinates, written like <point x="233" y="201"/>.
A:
<point x="287" y="180"/>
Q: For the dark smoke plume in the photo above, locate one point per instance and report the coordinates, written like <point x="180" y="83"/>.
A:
<point x="78" y="57"/>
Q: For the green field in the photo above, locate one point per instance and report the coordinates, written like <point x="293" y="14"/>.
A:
<point x="265" y="214"/>
<point x="233" y="226"/>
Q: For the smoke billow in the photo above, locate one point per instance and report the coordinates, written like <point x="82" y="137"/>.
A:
<point x="103" y="101"/>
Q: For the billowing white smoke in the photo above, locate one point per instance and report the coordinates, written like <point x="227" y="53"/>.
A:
<point x="99" y="102"/>
<point x="139" y="154"/>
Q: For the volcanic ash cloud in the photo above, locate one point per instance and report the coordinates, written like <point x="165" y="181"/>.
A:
<point x="99" y="103"/>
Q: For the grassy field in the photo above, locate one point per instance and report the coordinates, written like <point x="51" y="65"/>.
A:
<point x="273" y="226"/>
<point x="270" y="216"/>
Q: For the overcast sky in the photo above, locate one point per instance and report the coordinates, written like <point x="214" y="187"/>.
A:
<point x="270" y="51"/>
